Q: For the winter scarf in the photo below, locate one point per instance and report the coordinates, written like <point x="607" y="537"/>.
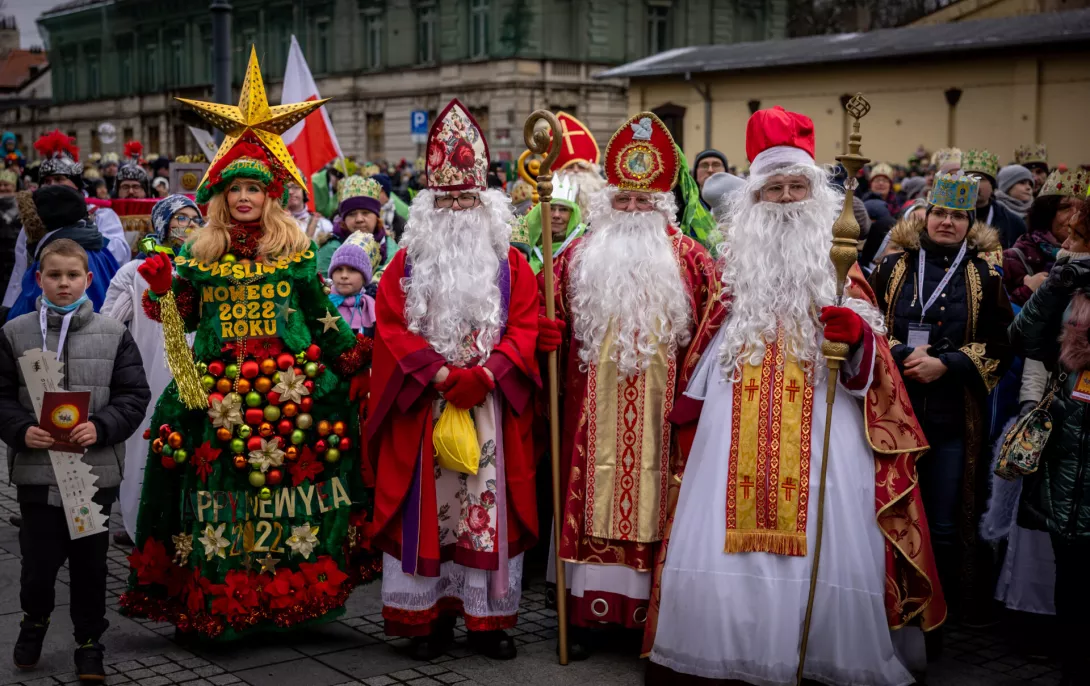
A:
<point x="1019" y="207"/>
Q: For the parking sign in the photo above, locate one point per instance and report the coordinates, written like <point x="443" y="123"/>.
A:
<point x="419" y="121"/>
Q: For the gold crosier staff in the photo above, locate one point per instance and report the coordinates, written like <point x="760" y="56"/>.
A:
<point x="843" y="254"/>
<point x="545" y="141"/>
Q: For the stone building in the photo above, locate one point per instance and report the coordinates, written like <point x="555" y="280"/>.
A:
<point x="124" y="61"/>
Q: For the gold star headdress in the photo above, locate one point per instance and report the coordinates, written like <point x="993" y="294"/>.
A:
<point x="254" y="116"/>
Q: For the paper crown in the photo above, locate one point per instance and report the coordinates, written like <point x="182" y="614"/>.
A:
<point x="881" y="169"/>
<point x="370" y="169"/>
<point x="457" y="153"/>
<point x="521" y="192"/>
<point x="777" y="128"/>
<point x="980" y="162"/>
<point x="91" y="173"/>
<point x="358" y="193"/>
<point x="946" y="156"/>
<point x="565" y="188"/>
<point x="110" y="158"/>
<point x="245" y="160"/>
<point x="578" y="144"/>
<point x="642" y="156"/>
<point x="955" y="191"/>
<point x="1031" y="154"/>
<point x="1072" y="183"/>
<point x="9" y="176"/>
<point x="60" y="155"/>
<point x="94" y="157"/>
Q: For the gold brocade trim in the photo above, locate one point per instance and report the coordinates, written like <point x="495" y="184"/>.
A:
<point x="893" y="341"/>
<point x="765" y="541"/>
<point x="893" y="290"/>
<point x="985" y="366"/>
<point x="976" y="291"/>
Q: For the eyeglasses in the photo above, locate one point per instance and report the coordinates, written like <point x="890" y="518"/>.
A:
<point x="464" y="201"/>
<point x="623" y="201"/>
<point x="795" y="191"/>
<point x="184" y="220"/>
<point x="955" y="216"/>
<point x="711" y="165"/>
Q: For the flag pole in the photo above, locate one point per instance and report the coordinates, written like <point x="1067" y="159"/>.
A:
<point x="546" y="142"/>
<point x="843" y="254"/>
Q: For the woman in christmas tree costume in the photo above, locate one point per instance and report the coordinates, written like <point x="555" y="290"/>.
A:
<point x="253" y="503"/>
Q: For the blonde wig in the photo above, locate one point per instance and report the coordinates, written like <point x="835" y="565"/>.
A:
<point x="281" y="235"/>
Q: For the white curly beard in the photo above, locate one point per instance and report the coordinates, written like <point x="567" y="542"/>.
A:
<point x="625" y="273"/>
<point x="453" y="293"/>
<point x="777" y="273"/>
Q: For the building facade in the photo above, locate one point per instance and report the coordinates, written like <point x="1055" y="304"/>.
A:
<point x="124" y="62"/>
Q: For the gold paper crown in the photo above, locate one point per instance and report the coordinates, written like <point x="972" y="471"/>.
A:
<point x="955" y="191"/>
<point x="1072" y="183"/>
<point x="1031" y="154"/>
<point x="520" y="232"/>
<point x="981" y="162"/>
<point x="881" y="169"/>
<point x="945" y="156"/>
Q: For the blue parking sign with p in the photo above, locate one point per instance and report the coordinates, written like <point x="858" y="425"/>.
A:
<point x="420" y="122"/>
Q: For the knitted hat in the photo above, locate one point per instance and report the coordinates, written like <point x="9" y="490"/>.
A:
<point x="360" y="252"/>
<point x="1012" y="174"/>
<point x="358" y="193"/>
<point x="710" y="152"/>
<point x="59" y="206"/>
<point x="861" y="216"/>
<point x="913" y="187"/>
<point x="384" y="182"/>
<point x="167" y="208"/>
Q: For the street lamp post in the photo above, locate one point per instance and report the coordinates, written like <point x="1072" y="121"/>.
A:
<point x="221" y="54"/>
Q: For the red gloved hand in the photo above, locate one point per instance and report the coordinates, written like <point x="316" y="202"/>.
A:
<point x="842" y="325"/>
<point x="466" y="388"/>
<point x="157" y="271"/>
<point x="550" y="334"/>
<point x="360" y="385"/>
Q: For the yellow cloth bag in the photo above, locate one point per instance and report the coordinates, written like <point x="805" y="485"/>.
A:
<point x="455" y="441"/>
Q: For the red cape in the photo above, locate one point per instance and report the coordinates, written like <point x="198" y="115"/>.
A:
<point x="400" y="411"/>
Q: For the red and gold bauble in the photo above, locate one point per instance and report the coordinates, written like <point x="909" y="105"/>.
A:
<point x="223" y="434"/>
<point x="157" y="446"/>
<point x="263" y="384"/>
<point x="250" y="369"/>
<point x="289" y="409"/>
<point x="268" y="366"/>
<point x="241" y="462"/>
<point x="291" y="453"/>
<point x="216" y="368"/>
<point x="285" y="360"/>
<point x="273" y="477"/>
<point x="174" y="440"/>
<point x="265" y="429"/>
<point x="324" y="428"/>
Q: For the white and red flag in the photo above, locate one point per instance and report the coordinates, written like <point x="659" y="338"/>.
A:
<point x="312" y="142"/>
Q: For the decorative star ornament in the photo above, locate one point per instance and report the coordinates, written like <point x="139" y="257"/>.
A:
<point x="268" y="563"/>
<point x="215" y="545"/>
<point x="303" y="540"/>
<point x="253" y="115"/>
<point x="329" y="320"/>
<point x="183" y="547"/>
<point x="291" y="387"/>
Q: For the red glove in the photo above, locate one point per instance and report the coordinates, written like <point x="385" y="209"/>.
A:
<point x="358" y="389"/>
<point x="466" y="388"/>
<point x="842" y="325"/>
<point x="550" y="334"/>
<point x="158" y="272"/>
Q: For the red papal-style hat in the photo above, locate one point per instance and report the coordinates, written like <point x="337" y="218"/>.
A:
<point x="457" y="155"/>
<point x="578" y="144"/>
<point x="642" y="156"/>
<point x="776" y="137"/>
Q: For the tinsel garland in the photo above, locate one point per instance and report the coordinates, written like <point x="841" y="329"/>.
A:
<point x="179" y="357"/>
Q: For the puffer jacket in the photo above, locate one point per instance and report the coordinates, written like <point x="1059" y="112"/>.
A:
<point x="1026" y="257"/>
<point x="1057" y="497"/>
<point x="99" y="356"/>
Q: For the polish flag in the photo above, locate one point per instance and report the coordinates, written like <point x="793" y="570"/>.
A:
<point x="312" y="142"/>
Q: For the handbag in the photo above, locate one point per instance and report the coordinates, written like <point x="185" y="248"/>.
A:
<point x="1020" y="453"/>
<point x="455" y="441"/>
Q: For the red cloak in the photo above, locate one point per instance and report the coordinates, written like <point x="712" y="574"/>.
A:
<point x="400" y="422"/>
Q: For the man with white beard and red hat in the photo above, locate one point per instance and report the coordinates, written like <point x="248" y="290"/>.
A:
<point x="732" y="583"/>
<point x="630" y="296"/>
<point x="457" y="318"/>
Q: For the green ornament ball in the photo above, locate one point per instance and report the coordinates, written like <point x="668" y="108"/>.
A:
<point x="253" y="399"/>
<point x="167" y="450"/>
<point x="332" y="455"/>
<point x="334" y="441"/>
<point x="265" y="494"/>
<point x="208" y="381"/>
<point x="228" y="259"/>
<point x="180" y="455"/>
<point x="257" y="479"/>
<point x="202" y="367"/>
<point x="244" y="431"/>
<point x="300" y="357"/>
<point x="238" y="445"/>
<point x="297" y="437"/>
<point x="272" y="413"/>
<point x="231" y="372"/>
<point x="304" y="421"/>
<point x="311" y="369"/>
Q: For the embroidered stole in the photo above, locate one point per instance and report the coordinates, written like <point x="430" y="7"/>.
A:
<point x="768" y="485"/>
<point x="628" y="445"/>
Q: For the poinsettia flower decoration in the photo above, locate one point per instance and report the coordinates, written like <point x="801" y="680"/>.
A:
<point x="308" y="466"/>
<point x="291" y="387"/>
<point x="203" y="458"/>
<point x="303" y="540"/>
<point x="151" y="563"/>
<point x="323" y="576"/>
<point x="214" y="542"/>
<point x="269" y="455"/>
<point x="227" y="412"/>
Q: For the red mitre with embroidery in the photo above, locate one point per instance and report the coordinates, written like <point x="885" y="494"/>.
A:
<point x="642" y="156"/>
<point x="457" y="157"/>
<point x="776" y="137"/>
<point x="578" y="144"/>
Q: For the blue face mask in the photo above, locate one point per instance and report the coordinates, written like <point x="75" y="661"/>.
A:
<point x="64" y="309"/>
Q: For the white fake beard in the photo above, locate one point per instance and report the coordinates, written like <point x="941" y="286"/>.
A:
<point x="625" y="272"/>
<point x="777" y="274"/>
<point x="455" y="258"/>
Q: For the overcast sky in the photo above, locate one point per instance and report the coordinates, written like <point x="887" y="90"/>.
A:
<point x="26" y="12"/>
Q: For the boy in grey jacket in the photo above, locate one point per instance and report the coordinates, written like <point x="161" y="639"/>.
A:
<point x="99" y="356"/>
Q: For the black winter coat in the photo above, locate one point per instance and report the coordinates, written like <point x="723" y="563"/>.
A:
<point x="1009" y="225"/>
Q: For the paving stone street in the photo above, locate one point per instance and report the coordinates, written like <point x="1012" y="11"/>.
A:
<point x="353" y="650"/>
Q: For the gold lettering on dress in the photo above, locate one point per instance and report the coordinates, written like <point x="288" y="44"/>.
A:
<point x="285" y="500"/>
<point x="204" y="502"/>
<point x="340" y="496"/>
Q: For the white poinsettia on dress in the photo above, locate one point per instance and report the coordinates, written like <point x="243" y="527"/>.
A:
<point x="214" y="542"/>
<point x="303" y="540"/>
<point x="227" y="412"/>
<point x="268" y="455"/>
<point x="291" y="388"/>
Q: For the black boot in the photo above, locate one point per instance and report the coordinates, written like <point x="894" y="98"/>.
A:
<point x="426" y="648"/>
<point x="494" y="644"/>
<point x="121" y="538"/>
<point x="28" y="647"/>
<point x="580" y="644"/>
<point x="89" y="662"/>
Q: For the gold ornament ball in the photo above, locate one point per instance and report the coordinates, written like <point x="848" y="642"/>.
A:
<point x="244" y="385"/>
<point x="289" y="409"/>
<point x="175" y="440"/>
<point x="223" y="434"/>
<point x="304" y="421"/>
<point x="265" y="429"/>
<point x="324" y="427"/>
<point x="228" y="259"/>
<point x="332" y="455"/>
<point x="340" y="428"/>
<point x="263" y="384"/>
<point x="240" y="461"/>
<point x="223" y="385"/>
<point x="268" y="366"/>
<point x="257" y="479"/>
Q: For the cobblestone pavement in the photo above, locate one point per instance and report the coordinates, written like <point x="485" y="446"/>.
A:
<point x="353" y="650"/>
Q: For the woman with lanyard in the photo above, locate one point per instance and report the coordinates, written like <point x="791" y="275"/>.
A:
<point x="947" y="316"/>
